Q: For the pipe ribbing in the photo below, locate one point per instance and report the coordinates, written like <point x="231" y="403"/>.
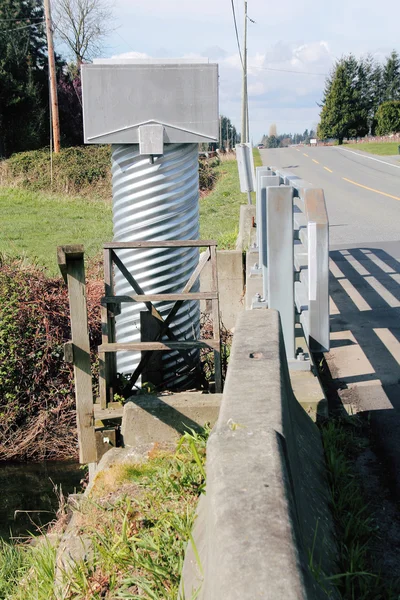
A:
<point x="156" y="201"/>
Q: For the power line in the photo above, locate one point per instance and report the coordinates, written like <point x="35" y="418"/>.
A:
<point x="236" y="31"/>
<point x="22" y="19"/>
<point x="18" y="28"/>
<point x="287" y="71"/>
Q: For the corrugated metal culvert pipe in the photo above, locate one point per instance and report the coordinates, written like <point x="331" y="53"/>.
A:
<point x="156" y="200"/>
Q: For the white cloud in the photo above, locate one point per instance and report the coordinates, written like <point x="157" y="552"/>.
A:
<point x="280" y="87"/>
<point x="131" y="55"/>
<point x="305" y="37"/>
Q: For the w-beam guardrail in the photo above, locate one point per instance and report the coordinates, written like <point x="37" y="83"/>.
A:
<point x="293" y="243"/>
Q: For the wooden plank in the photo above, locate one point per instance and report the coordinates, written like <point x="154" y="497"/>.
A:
<point x="149" y="330"/>
<point x="155" y="244"/>
<point x="107" y="363"/>
<point x="111" y="360"/>
<point x="147" y="346"/>
<point x="158" y="297"/>
<point x="132" y="281"/>
<point x="83" y="379"/>
<point x="204" y="258"/>
<point x="75" y="251"/>
<point x="216" y="322"/>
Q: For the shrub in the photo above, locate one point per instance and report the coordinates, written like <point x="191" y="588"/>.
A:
<point x="82" y="170"/>
<point x="36" y="386"/>
<point x="388" y="117"/>
<point x="79" y="170"/>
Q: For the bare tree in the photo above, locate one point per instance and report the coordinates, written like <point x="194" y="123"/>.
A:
<point x="83" y="25"/>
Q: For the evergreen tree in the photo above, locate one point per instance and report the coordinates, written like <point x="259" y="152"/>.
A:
<point x="377" y="93"/>
<point x="344" y="110"/>
<point x="388" y="117"/>
<point x="391" y="77"/>
<point x="23" y="75"/>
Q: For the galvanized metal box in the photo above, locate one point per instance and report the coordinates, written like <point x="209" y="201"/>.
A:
<point x="120" y="97"/>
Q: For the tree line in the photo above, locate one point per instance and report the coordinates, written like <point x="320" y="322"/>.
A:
<point x="273" y="140"/>
<point x="361" y="96"/>
<point x="81" y="25"/>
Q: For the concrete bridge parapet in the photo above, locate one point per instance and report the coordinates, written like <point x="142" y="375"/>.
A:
<point x="264" y="528"/>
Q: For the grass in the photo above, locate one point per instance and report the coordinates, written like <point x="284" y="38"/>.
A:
<point x="219" y="210"/>
<point x="33" y="224"/>
<point x="381" y="148"/>
<point x="138" y="520"/>
<point x="357" y="578"/>
<point x="27" y="571"/>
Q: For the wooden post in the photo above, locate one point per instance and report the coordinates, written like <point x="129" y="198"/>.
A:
<point x="52" y="77"/>
<point x="149" y="331"/>
<point x="70" y="261"/>
<point x="108" y="362"/>
<point x="216" y="323"/>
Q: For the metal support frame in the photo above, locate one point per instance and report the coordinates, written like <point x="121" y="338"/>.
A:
<point x="111" y="301"/>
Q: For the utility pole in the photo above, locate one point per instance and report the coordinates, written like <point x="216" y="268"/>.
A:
<point x="52" y="77"/>
<point x="244" y="88"/>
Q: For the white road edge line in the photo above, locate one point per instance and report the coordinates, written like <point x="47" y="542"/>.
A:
<point x="370" y="158"/>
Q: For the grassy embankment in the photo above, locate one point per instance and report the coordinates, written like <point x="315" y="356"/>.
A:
<point x="36" y="216"/>
<point x="137" y="520"/>
<point x="219" y="211"/>
<point x="381" y="148"/>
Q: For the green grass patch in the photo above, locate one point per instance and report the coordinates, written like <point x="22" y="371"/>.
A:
<point x="34" y="221"/>
<point x="27" y="571"/>
<point x="138" y="519"/>
<point x="33" y="224"/>
<point x="219" y="210"/>
<point x="381" y="148"/>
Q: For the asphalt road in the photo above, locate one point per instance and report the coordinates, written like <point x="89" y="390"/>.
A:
<point x="362" y="195"/>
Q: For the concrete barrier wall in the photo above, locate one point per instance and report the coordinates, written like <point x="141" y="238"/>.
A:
<point x="230" y="284"/>
<point x="264" y="528"/>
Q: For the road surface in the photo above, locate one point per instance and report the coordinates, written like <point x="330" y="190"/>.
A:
<point x="362" y="195"/>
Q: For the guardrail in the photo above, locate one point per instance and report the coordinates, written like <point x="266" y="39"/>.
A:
<point x="293" y="244"/>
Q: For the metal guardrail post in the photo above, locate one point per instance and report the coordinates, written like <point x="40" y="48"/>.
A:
<point x="266" y="181"/>
<point x="318" y="269"/>
<point x="260" y="172"/>
<point x="281" y="261"/>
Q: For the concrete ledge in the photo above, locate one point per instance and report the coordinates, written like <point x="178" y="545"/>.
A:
<point x="247" y="232"/>
<point x="148" y="418"/>
<point x="230" y="284"/>
<point x="265" y="517"/>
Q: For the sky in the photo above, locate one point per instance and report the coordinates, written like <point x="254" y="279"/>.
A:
<point x="291" y="48"/>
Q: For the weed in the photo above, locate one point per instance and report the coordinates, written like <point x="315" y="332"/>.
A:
<point x="357" y="578"/>
<point x="27" y="571"/>
<point x="139" y="537"/>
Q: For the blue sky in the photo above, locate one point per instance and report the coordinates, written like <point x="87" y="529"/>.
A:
<point x="301" y="36"/>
